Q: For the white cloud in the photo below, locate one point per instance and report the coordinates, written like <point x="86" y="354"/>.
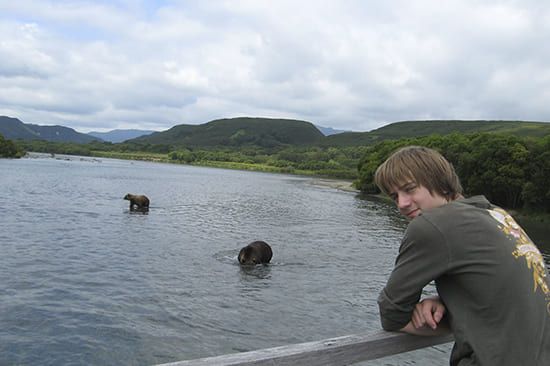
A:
<point x="346" y="64"/>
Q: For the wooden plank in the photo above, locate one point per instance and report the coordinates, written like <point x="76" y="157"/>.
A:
<point x="344" y="350"/>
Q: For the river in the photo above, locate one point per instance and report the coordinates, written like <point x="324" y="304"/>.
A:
<point x="84" y="280"/>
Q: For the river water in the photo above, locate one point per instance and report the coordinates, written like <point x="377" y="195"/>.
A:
<point x="85" y="281"/>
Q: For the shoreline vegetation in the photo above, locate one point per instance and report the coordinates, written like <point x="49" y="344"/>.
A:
<point x="164" y="158"/>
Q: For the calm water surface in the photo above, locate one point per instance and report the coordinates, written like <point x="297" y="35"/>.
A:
<point x="84" y="281"/>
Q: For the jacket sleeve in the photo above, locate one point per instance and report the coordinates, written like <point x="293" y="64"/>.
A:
<point x="423" y="257"/>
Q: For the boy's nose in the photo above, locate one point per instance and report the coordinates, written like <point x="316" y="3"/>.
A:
<point x="403" y="200"/>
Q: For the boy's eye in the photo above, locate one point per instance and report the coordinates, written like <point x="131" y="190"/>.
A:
<point x="393" y="196"/>
<point x="410" y="188"/>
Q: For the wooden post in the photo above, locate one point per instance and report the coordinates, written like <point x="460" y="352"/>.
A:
<point x="344" y="350"/>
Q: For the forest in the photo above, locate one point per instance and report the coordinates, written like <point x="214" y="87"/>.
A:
<point x="512" y="172"/>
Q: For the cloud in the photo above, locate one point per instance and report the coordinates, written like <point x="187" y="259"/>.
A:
<point x="357" y="65"/>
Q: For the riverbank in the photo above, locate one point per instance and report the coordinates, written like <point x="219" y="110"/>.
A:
<point x="343" y="185"/>
<point x="163" y="158"/>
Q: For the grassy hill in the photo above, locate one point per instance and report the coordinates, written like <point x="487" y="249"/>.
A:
<point x="442" y="127"/>
<point x="242" y="131"/>
<point x="14" y="129"/>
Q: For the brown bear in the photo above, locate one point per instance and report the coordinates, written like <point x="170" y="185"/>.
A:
<point x="140" y="201"/>
<point x="255" y="253"/>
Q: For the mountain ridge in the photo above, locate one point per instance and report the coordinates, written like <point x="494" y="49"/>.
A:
<point x="404" y="129"/>
<point x="239" y="131"/>
<point x="13" y="129"/>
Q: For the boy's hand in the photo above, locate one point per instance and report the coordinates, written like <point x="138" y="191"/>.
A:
<point x="428" y="312"/>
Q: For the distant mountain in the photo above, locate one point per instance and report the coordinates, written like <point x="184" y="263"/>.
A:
<point x="268" y="132"/>
<point x="264" y="132"/>
<point x="327" y="131"/>
<point x="14" y="129"/>
<point x="120" y="135"/>
<point x="406" y="129"/>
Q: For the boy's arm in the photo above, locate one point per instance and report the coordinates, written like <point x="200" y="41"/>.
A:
<point x="423" y="257"/>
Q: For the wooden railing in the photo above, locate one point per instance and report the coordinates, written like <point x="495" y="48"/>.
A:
<point x="344" y="350"/>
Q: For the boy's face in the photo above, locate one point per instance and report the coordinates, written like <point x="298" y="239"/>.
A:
<point x="412" y="199"/>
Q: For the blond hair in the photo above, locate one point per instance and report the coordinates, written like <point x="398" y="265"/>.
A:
<point x="421" y="165"/>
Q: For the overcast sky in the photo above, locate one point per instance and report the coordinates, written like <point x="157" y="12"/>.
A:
<point x="353" y="65"/>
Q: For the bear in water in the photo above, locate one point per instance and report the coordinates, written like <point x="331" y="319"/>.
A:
<point x="255" y="253"/>
<point x="141" y="201"/>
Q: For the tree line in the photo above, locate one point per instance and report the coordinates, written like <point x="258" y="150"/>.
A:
<point x="511" y="171"/>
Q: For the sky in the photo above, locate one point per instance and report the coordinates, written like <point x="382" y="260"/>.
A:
<point x="346" y="64"/>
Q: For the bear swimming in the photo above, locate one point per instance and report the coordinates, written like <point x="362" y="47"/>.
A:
<point x="255" y="253"/>
<point x="141" y="201"/>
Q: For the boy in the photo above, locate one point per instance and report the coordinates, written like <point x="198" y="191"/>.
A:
<point x="490" y="277"/>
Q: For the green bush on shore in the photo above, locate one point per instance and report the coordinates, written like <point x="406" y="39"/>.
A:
<point x="8" y="149"/>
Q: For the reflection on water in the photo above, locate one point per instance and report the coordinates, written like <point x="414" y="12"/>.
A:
<point x="260" y="271"/>
<point x="139" y="210"/>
